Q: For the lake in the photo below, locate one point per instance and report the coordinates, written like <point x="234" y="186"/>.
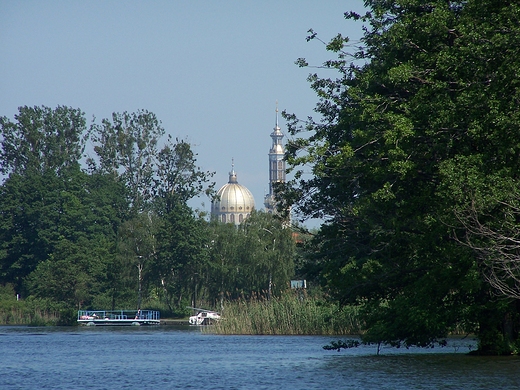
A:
<point x="169" y="357"/>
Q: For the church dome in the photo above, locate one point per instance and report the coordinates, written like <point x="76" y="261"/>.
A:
<point x="234" y="202"/>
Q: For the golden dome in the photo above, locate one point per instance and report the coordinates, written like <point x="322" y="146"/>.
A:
<point x="234" y="202"/>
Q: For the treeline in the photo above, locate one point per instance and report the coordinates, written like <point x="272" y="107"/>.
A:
<point x="97" y="217"/>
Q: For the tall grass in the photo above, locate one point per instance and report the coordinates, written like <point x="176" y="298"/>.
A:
<point x="290" y="314"/>
<point x="34" y="312"/>
<point x="32" y="317"/>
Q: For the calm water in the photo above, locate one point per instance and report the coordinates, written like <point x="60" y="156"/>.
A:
<point x="173" y="357"/>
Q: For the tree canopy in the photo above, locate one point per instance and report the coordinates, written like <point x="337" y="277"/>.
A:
<point x="418" y="132"/>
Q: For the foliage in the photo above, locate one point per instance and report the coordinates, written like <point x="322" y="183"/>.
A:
<point x="127" y="146"/>
<point x="179" y="179"/>
<point x="418" y="125"/>
<point x="179" y="270"/>
<point x="14" y="311"/>
<point x="42" y="140"/>
<point x="268" y="253"/>
<point x="77" y="237"/>
<point x="137" y="247"/>
<point x="119" y="233"/>
<point x="341" y="344"/>
<point x="224" y="239"/>
<point x="257" y="257"/>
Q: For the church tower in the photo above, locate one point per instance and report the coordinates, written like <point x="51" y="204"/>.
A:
<point x="276" y="166"/>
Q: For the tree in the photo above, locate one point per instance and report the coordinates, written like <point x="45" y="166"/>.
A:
<point x="137" y="247"/>
<point x="179" y="179"/>
<point x="267" y="254"/>
<point x="126" y="146"/>
<point x="42" y="139"/>
<point x="180" y="266"/>
<point x="224" y="245"/>
<point x="491" y="232"/>
<point x="159" y="182"/>
<point x="255" y="258"/>
<point x="29" y="206"/>
<point x="425" y="102"/>
<point x="40" y="153"/>
<point x="59" y="232"/>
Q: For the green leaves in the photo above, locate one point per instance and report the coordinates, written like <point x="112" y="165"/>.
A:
<point x="178" y="176"/>
<point x="417" y="148"/>
<point x="42" y="139"/>
<point x="251" y="260"/>
<point x="127" y="147"/>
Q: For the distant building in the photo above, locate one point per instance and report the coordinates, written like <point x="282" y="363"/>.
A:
<point x="276" y="166"/>
<point x="234" y="201"/>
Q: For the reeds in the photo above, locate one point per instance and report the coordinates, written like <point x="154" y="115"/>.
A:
<point x="25" y="316"/>
<point x="34" y="312"/>
<point x="293" y="313"/>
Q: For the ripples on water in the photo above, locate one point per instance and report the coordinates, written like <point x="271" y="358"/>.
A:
<point x="174" y="357"/>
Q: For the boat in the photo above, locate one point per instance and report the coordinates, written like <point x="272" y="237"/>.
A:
<point x="204" y="317"/>
<point x="119" y="317"/>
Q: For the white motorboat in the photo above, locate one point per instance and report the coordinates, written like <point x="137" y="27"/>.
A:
<point x="204" y="317"/>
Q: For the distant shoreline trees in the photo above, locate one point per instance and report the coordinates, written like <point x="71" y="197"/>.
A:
<point x="117" y="232"/>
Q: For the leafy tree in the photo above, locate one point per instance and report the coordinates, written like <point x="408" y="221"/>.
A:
<point x="40" y="153"/>
<point x="57" y="222"/>
<point x="268" y="253"/>
<point x="181" y="262"/>
<point x="79" y="238"/>
<point x="420" y="123"/>
<point x="179" y="179"/>
<point x="66" y="223"/>
<point x="137" y="247"/>
<point x="42" y="139"/>
<point x="224" y="244"/>
<point x="126" y="146"/>
<point x="68" y="275"/>
<point x="88" y="239"/>
<point x="257" y="257"/>
<point x="30" y="213"/>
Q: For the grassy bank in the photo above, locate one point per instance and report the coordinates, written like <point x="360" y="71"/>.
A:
<point x="30" y="312"/>
<point x="290" y="314"/>
<point x="25" y="316"/>
<point x="34" y="312"/>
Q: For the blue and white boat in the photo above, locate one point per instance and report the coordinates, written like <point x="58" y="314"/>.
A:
<point x="119" y="317"/>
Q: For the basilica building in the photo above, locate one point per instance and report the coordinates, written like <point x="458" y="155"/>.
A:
<point x="235" y="202"/>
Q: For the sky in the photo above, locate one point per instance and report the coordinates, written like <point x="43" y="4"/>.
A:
<point x="211" y="71"/>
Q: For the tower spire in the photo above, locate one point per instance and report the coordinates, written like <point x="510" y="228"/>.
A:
<point x="276" y="164"/>
<point x="276" y="124"/>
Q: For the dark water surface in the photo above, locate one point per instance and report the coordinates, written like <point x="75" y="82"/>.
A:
<point x="174" y="357"/>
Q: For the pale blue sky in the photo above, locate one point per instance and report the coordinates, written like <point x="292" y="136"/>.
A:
<point x="210" y="70"/>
